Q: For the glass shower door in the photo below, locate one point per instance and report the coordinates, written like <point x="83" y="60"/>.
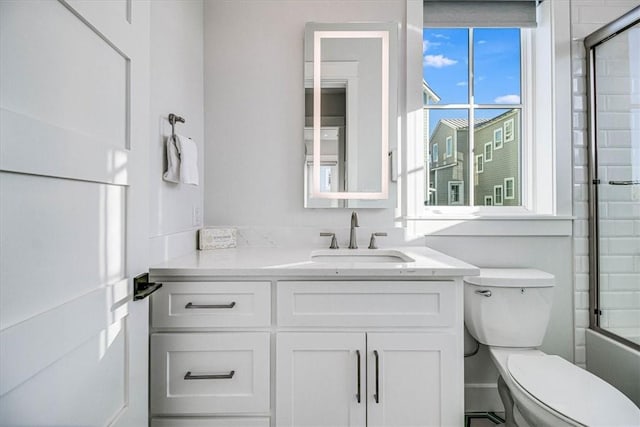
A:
<point x="615" y="196"/>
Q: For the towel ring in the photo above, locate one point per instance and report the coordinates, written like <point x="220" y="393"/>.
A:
<point x="173" y="119"/>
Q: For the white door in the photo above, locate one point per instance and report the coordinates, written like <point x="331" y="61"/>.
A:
<point x="320" y="379"/>
<point x="73" y="211"/>
<point x="413" y="380"/>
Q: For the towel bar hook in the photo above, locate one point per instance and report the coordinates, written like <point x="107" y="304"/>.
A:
<point x="173" y="119"/>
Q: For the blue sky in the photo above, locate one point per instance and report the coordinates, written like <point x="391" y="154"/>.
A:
<point x="496" y="67"/>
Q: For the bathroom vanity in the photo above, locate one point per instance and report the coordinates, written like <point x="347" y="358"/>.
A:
<point x="290" y="337"/>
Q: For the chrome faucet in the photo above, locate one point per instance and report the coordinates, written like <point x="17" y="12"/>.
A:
<point x="353" y="241"/>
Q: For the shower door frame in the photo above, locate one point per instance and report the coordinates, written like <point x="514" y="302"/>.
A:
<point x="592" y="41"/>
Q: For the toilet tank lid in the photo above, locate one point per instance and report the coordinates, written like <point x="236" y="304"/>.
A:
<point x="512" y="278"/>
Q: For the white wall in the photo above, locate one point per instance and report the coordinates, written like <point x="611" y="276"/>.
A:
<point x="254" y="106"/>
<point x="177" y="86"/>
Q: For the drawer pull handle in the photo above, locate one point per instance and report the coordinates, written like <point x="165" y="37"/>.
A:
<point x="358" y="367"/>
<point x="376" y="396"/>
<point x="189" y="376"/>
<point x="192" y="305"/>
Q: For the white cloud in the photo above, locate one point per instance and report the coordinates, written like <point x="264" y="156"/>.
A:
<point x="441" y="36"/>
<point x="482" y="41"/>
<point x="461" y="84"/>
<point x="438" y="61"/>
<point x="507" y="99"/>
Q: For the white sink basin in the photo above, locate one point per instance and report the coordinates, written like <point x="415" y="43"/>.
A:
<point x="360" y="255"/>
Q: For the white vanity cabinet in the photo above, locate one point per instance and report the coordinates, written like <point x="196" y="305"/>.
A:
<point x="256" y="337"/>
<point x="402" y="368"/>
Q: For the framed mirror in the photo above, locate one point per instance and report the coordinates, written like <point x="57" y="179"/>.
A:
<point x="350" y="113"/>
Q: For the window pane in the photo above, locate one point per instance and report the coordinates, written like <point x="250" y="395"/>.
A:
<point x="447" y="157"/>
<point x="496" y="65"/>
<point x="445" y="64"/>
<point x="497" y="140"/>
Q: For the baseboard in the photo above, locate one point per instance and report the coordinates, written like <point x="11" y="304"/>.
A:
<point x="482" y="397"/>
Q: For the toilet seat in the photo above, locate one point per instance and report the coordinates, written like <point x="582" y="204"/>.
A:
<point x="571" y="391"/>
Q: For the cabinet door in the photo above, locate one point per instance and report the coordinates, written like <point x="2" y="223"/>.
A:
<point x="320" y="379"/>
<point x="414" y="379"/>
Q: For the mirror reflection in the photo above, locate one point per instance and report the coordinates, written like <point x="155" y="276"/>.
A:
<point x="347" y="73"/>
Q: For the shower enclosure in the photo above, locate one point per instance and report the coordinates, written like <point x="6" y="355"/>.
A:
<point x="613" y="64"/>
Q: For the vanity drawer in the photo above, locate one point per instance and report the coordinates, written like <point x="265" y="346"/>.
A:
<point x="212" y="304"/>
<point x="366" y="303"/>
<point x="209" y="373"/>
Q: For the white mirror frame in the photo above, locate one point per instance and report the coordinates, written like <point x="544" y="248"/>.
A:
<point x="317" y="87"/>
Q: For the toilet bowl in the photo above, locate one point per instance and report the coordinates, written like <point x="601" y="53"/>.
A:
<point x="508" y="310"/>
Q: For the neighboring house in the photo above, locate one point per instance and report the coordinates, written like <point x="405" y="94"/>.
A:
<point x="497" y="161"/>
<point x="495" y="155"/>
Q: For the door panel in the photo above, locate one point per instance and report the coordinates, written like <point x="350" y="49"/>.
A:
<point x="317" y="379"/>
<point x="417" y="384"/>
<point x="43" y="77"/>
<point x="73" y="158"/>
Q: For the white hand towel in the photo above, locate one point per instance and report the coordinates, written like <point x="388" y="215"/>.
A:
<point x="188" y="160"/>
<point x="172" y="174"/>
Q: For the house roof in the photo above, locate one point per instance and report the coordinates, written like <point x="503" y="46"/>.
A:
<point x="462" y="123"/>
<point x="430" y="93"/>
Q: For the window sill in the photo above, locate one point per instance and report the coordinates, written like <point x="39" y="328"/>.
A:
<point x="505" y="225"/>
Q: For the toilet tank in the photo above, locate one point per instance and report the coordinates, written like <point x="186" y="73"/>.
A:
<point x="508" y="307"/>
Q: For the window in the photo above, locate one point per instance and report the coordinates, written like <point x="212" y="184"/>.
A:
<point x="508" y="130"/>
<point x="497" y="138"/>
<point x="478" y="92"/>
<point x="456" y="192"/>
<point x="488" y="200"/>
<point x="497" y="194"/>
<point x="509" y="189"/>
<point x="434" y="156"/>
<point x="488" y="151"/>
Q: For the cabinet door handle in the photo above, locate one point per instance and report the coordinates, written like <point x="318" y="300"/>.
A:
<point x="192" y="305"/>
<point x="358" y="395"/>
<point x="189" y="376"/>
<point x="376" y="395"/>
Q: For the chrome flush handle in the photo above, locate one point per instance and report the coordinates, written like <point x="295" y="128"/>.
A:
<point x="484" y="293"/>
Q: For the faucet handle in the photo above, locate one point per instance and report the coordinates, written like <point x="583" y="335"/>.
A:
<point x="334" y="241"/>
<point x="372" y="242"/>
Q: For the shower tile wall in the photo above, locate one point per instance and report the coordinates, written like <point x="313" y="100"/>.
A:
<point x="586" y="17"/>
<point x="619" y="206"/>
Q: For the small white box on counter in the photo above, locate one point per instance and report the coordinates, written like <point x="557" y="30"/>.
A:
<point x="216" y="238"/>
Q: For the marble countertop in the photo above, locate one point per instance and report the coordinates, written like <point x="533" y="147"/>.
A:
<point x="288" y="262"/>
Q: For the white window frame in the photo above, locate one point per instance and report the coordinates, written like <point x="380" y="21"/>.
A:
<point x="450" y="185"/>
<point x="485" y="152"/>
<point x="513" y="188"/>
<point x="497" y="143"/>
<point x="448" y="147"/>
<point x="488" y="199"/>
<point x="480" y="163"/>
<point x="545" y="179"/>
<point x="504" y="134"/>
<point x="495" y="195"/>
<point x="435" y="153"/>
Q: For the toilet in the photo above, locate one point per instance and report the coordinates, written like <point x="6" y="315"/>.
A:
<point x="508" y="310"/>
